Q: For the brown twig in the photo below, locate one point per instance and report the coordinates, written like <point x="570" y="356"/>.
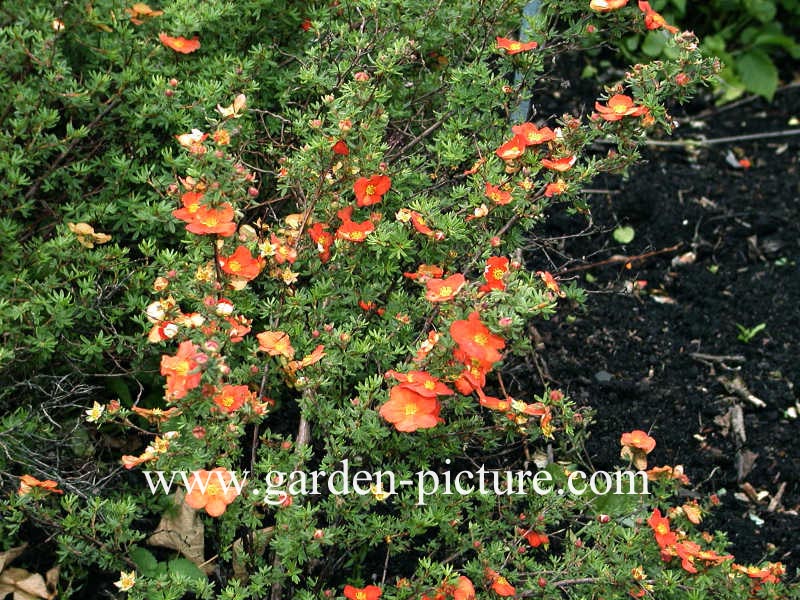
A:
<point x="622" y="259"/>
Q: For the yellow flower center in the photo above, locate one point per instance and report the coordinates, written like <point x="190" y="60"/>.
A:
<point x="498" y="273"/>
<point x="182" y="368"/>
<point x="227" y="401"/>
<point x="515" y="46"/>
<point x="361" y="595"/>
<point x="481" y="339"/>
<point x="213" y="489"/>
<point x="210" y="221"/>
<point x="370" y="190"/>
<point x="357" y="235"/>
<point x="429" y="385"/>
<point x="445" y="291"/>
<point x="235" y="266"/>
<point x="411" y="409"/>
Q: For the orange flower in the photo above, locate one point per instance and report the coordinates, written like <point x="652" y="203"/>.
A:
<point x="559" y="164"/>
<point x="156" y="415"/>
<point x="515" y="47"/>
<point x="181" y="370"/>
<point x="28" y="482"/>
<point x="425" y="272"/>
<point x="180" y="44"/>
<point x="491" y="402"/>
<point x="354" y="232"/>
<point x="512" y="149"/>
<point x="282" y="251"/>
<point x="535" y="539"/>
<point x="209" y="221"/>
<point x="496" y="268"/>
<point x="687" y="552"/>
<point x="408" y="411"/>
<point x="555" y="188"/>
<point x="533" y="135"/>
<point x="239" y="327"/>
<point x="660" y="527"/>
<point x="550" y="282"/>
<point x="370" y="191"/>
<point x="140" y="11"/>
<point x="654" y="20"/>
<point x="275" y="343"/>
<point x="418" y="221"/>
<point x="309" y="359"/>
<point x="667" y="472"/>
<point x="769" y="574"/>
<point x="241" y="264"/>
<point x="496" y="195"/>
<point x="129" y="461"/>
<point x="473" y="378"/>
<point x="210" y="490"/>
<point x="500" y="584"/>
<point x="442" y="290"/>
<point x="191" y="204"/>
<point x="604" y="6"/>
<point x="233" y="397"/>
<point x="475" y="339"/>
<point x="322" y="239"/>
<point x="619" y="106"/>
<point x="371" y="592"/>
<point x="464" y="589"/>
<point x="421" y="382"/>
<point x="638" y="439"/>
<point x="341" y="148"/>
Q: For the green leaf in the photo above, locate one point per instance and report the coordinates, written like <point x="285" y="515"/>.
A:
<point x="763" y="10"/>
<point x="145" y="561"/>
<point x="758" y="73"/>
<point x="654" y="43"/>
<point x="680" y="6"/>
<point x="624" y="235"/>
<point x="185" y="568"/>
<point x="779" y="40"/>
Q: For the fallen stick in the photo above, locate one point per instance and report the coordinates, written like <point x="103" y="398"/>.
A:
<point x="621" y="259"/>
<point x="717" y="358"/>
<point x="776" y="499"/>
<point x="736" y="386"/>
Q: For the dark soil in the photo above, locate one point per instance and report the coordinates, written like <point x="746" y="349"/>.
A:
<point x="636" y="356"/>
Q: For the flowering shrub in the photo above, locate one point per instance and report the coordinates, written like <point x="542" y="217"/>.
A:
<point x="336" y="286"/>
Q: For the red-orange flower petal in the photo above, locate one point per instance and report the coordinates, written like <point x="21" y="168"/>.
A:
<point x="533" y="135"/>
<point x="559" y="164"/>
<point x="408" y="411"/>
<point x="475" y="339"/>
<point x="371" y="592"/>
<point x="497" y="195"/>
<point x="180" y="44"/>
<point x="512" y="149"/>
<point x="442" y="290"/>
<point x="210" y="490"/>
<point x="515" y="47"/>
<point x="604" y="6"/>
<point x="370" y="191"/>
<point x="638" y="439"/>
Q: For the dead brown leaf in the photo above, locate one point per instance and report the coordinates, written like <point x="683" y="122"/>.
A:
<point x="23" y="584"/>
<point x="182" y="531"/>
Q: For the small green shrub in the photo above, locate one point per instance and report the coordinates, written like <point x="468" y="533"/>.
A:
<point x="314" y="264"/>
<point x="746" y="35"/>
